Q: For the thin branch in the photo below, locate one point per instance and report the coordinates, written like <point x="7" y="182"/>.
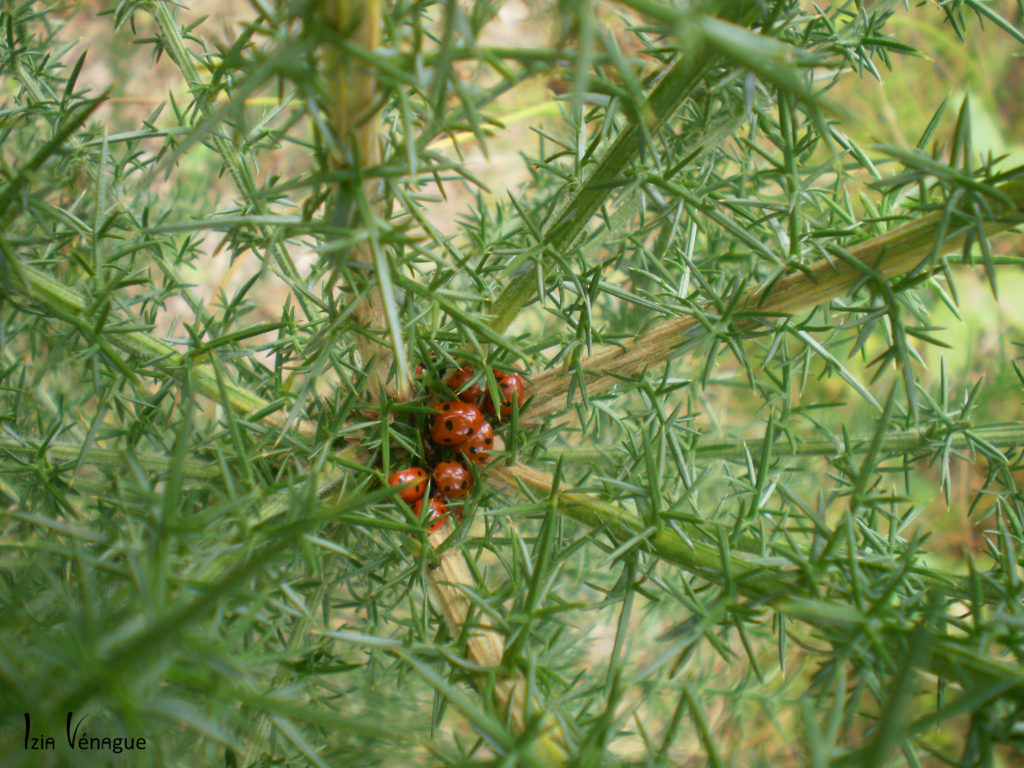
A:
<point x="898" y="251"/>
<point x="353" y="94"/>
<point x="773" y="581"/>
<point x="485" y="647"/>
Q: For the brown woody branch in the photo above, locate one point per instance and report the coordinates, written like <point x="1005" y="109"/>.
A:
<point x="357" y="127"/>
<point x="898" y="251"/>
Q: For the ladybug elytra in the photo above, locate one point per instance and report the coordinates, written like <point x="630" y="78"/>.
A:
<point x="437" y="515"/>
<point x="453" y="479"/>
<point x="454" y="422"/>
<point x="414" y="492"/>
<point x="457" y="382"/>
<point x="511" y="388"/>
<point x="480" y="443"/>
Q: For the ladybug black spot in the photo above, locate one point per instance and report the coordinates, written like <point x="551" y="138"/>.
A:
<point x="463" y="484"/>
<point x="446" y="406"/>
<point x="448" y="424"/>
<point x="488" y="441"/>
<point x="469" y="431"/>
<point x="473" y="449"/>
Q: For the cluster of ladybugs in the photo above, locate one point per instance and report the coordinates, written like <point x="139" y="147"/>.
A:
<point x="461" y="425"/>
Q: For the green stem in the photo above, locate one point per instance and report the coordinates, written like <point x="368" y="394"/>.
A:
<point x="71" y="306"/>
<point x="1004" y="436"/>
<point x="775" y="580"/>
<point x="567" y="225"/>
<point x="110" y="458"/>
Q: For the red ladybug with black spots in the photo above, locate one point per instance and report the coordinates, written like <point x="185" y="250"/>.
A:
<point x="511" y="387"/>
<point x="437" y="514"/>
<point x="458" y="382"/>
<point x="455" y="422"/>
<point x="414" y="492"/>
<point x="479" y="444"/>
<point x="453" y="479"/>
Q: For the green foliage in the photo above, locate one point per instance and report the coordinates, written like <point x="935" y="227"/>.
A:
<point x="738" y="555"/>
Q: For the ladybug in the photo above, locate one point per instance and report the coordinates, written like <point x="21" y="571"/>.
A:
<point x="479" y="444"/>
<point x="454" y="422"/>
<point x="421" y="368"/>
<point x="438" y="512"/>
<point x="414" y="492"/>
<point x="458" y="380"/>
<point x="453" y="479"/>
<point x="511" y="387"/>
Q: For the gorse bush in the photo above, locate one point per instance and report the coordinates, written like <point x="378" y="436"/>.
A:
<point x="706" y="536"/>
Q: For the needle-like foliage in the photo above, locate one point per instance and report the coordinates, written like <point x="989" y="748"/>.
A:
<point x="717" y="532"/>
